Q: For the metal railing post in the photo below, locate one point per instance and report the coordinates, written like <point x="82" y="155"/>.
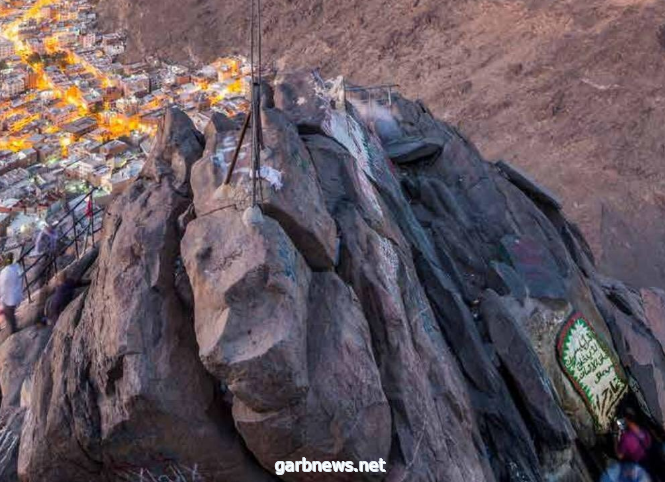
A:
<point x="76" y="240"/>
<point x="25" y="280"/>
<point x="51" y="260"/>
<point x="92" y="229"/>
<point x="236" y="153"/>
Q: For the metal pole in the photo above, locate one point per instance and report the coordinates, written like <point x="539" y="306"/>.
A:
<point x="92" y="218"/>
<point x="25" y="280"/>
<point x="256" y="59"/>
<point x="253" y="152"/>
<point x="92" y="229"/>
<point x="76" y="236"/>
<point x="236" y="153"/>
<point x="259" y="35"/>
<point x="251" y="40"/>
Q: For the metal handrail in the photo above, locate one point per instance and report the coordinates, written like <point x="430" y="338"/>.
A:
<point x="67" y="214"/>
<point x="65" y="248"/>
<point x="90" y="230"/>
<point x="369" y="89"/>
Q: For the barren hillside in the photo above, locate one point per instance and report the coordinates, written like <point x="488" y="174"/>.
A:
<point x="571" y="91"/>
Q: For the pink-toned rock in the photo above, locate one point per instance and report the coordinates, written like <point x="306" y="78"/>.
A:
<point x="297" y="359"/>
<point x="120" y="387"/>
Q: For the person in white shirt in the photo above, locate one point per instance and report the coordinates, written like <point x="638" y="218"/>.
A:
<point x="11" y="291"/>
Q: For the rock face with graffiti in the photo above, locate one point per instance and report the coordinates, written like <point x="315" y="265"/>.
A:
<point x="396" y="297"/>
<point x="592" y="368"/>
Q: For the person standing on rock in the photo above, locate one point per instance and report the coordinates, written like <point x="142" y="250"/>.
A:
<point x="11" y="291"/>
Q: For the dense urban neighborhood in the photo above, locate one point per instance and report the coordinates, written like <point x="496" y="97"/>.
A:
<point x="73" y="117"/>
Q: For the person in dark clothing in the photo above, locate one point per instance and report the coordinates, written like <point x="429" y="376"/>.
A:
<point x="61" y="297"/>
<point x="634" y="441"/>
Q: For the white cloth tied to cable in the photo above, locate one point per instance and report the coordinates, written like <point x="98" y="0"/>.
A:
<point x="270" y="174"/>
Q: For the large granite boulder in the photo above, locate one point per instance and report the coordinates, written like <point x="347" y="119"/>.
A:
<point x="637" y="321"/>
<point x="18" y="356"/>
<point x="209" y="172"/>
<point x="390" y="296"/>
<point x="120" y="388"/>
<point x="551" y="429"/>
<point x="489" y="233"/>
<point x="287" y="190"/>
<point x="297" y="359"/>
<point x="376" y="260"/>
<point x="255" y="344"/>
<point x="177" y="147"/>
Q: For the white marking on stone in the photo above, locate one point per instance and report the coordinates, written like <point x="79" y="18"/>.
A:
<point x="8" y="442"/>
<point x="345" y="130"/>
<point x="589" y="364"/>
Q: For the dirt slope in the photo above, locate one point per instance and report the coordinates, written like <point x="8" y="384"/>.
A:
<point x="571" y="91"/>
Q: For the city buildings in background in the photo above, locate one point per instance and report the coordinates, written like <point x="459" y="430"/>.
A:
<point x="74" y="117"/>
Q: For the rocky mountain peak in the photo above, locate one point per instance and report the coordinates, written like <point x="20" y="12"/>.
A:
<point x="397" y="298"/>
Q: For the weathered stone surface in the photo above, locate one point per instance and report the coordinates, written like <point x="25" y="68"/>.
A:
<point x="18" y="355"/>
<point x="536" y="266"/>
<point x="297" y="359"/>
<point x="415" y="119"/>
<point x="345" y="415"/>
<point x="636" y="320"/>
<point x="177" y="146"/>
<point x="349" y="316"/>
<point x="295" y="201"/>
<point x="494" y="412"/>
<point x="49" y="449"/>
<point x="11" y="422"/>
<point x="123" y="364"/>
<point x="407" y="150"/>
<point x="296" y="96"/>
<point x="209" y="172"/>
<point x="298" y="205"/>
<point x="255" y="344"/>
<point x="505" y="281"/>
<point x="406" y="336"/>
<point x="471" y="212"/>
<point x="513" y="347"/>
<point x="375" y="259"/>
<point x="530" y="187"/>
<point x="351" y="417"/>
